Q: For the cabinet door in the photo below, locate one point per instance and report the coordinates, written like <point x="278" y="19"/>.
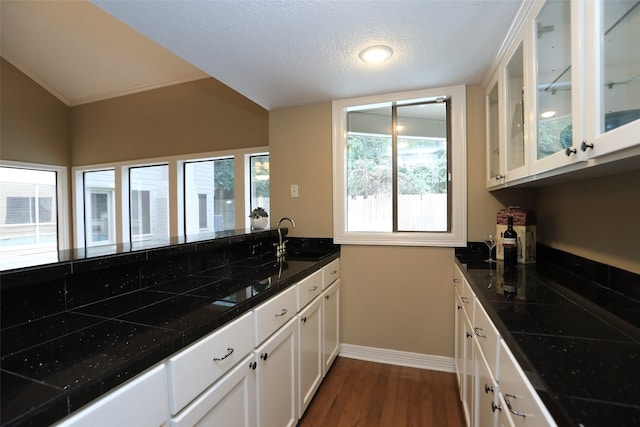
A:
<point x="468" y="366"/>
<point x="310" y="357"/>
<point x="486" y="391"/>
<point x="276" y="376"/>
<point x="141" y="401"/>
<point x="231" y="401"/>
<point x="516" y="137"/>
<point x="517" y="395"/>
<point x="613" y="75"/>
<point x="557" y="123"/>
<point x="495" y="168"/>
<point x="459" y="342"/>
<point x="331" y="326"/>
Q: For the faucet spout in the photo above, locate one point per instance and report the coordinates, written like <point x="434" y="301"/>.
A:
<point x="281" y="248"/>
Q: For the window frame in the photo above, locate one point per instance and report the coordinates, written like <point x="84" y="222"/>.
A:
<point x="457" y="236"/>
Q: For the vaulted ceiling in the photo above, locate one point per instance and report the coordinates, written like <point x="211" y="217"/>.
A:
<point x="277" y="53"/>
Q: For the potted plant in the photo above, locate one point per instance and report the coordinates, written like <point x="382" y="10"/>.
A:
<point x="258" y="218"/>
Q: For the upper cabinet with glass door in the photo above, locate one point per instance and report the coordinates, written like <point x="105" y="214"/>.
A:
<point x="612" y="119"/>
<point x="553" y="87"/>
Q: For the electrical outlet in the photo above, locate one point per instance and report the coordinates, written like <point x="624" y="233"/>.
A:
<point x="294" y="190"/>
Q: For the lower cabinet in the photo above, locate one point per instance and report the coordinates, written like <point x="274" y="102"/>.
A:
<point x="331" y="325"/>
<point x="140" y="402"/>
<point x="485" y="391"/>
<point x="311" y="360"/>
<point x="276" y="378"/>
<point x="229" y="402"/>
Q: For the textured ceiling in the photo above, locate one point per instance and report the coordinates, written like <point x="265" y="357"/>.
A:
<point x="277" y="53"/>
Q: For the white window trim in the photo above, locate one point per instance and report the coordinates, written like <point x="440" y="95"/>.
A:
<point x="458" y="174"/>
<point x="176" y="189"/>
<point x="61" y="193"/>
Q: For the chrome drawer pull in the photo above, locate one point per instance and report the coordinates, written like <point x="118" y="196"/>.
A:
<point x="465" y="300"/>
<point x="456" y="280"/>
<point x="476" y="330"/>
<point x="514" y="412"/>
<point x="488" y="388"/>
<point x="284" y="311"/>
<point x="315" y="288"/>
<point x="334" y="272"/>
<point x="229" y="353"/>
<point x="495" y="407"/>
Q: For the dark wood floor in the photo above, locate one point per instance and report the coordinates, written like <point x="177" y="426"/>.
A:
<point x="360" y="393"/>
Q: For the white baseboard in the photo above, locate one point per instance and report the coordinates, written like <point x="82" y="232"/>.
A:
<point x="400" y="358"/>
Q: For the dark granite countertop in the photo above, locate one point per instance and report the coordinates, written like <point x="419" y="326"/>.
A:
<point x="55" y="364"/>
<point x="582" y="358"/>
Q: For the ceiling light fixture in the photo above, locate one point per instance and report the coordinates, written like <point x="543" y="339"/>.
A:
<point x="377" y="53"/>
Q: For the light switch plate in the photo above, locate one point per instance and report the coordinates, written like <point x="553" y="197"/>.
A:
<point x="294" y="190"/>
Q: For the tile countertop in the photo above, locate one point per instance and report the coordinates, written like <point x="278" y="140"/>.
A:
<point x="68" y="359"/>
<point x="583" y="360"/>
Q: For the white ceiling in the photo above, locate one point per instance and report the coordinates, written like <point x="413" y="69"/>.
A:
<point x="277" y="53"/>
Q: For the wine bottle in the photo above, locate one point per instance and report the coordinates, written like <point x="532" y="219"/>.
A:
<point x="510" y="245"/>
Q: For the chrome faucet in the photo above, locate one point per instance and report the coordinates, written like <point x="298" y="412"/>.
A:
<point x="281" y="249"/>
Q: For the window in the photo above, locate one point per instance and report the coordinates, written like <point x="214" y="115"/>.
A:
<point x="259" y="191"/>
<point x="400" y="176"/>
<point x="28" y="214"/>
<point x="99" y="213"/>
<point x="149" y="203"/>
<point x="209" y="195"/>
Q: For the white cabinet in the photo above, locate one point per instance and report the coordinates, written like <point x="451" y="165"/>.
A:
<point x="567" y="91"/>
<point x="518" y="399"/>
<point x="276" y="377"/>
<point x="141" y="401"/>
<point x="331" y="325"/>
<point x="311" y="361"/>
<point x="309" y="288"/>
<point x="229" y="402"/>
<point x="274" y="313"/>
<point x="494" y="390"/>
<point x="330" y="273"/>
<point x="194" y="369"/>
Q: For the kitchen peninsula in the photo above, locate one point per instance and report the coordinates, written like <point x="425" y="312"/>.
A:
<point x="73" y="330"/>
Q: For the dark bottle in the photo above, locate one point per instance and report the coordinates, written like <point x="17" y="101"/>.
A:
<point x="510" y="245"/>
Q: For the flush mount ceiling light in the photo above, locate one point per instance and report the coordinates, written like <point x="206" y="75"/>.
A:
<point x="548" y="114"/>
<point x="377" y="53"/>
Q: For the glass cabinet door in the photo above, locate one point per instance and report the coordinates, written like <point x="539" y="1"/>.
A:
<point x="620" y="62"/>
<point x="553" y="78"/>
<point x="612" y="119"/>
<point x="515" y="111"/>
<point x="493" y="136"/>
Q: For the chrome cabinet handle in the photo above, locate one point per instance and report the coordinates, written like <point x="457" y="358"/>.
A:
<point x="456" y="280"/>
<point x="229" y="353"/>
<point x="500" y="177"/>
<point x="476" y="330"/>
<point x="282" y="313"/>
<point x="327" y="296"/>
<point x="315" y="288"/>
<point x="488" y="388"/>
<point x="333" y="272"/>
<point x="469" y="335"/>
<point x="513" y="411"/>
<point x="304" y="319"/>
<point x="569" y="151"/>
<point x="459" y="307"/>
<point x="253" y="365"/>
<point x="264" y="356"/>
<point x="495" y="407"/>
<point x="465" y="300"/>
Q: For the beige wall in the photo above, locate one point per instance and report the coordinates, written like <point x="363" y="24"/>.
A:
<point x="300" y="153"/>
<point x="34" y="125"/>
<point x="194" y="117"/>
<point x="397" y="298"/>
<point x="596" y="218"/>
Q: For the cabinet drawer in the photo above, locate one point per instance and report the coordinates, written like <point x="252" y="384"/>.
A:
<point x="274" y="313"/>
<point x="141" y="401"/>
<point x="518" y="398"/>
<point x="487" y="336"/>
<point x="194" y="369"/>
<point x="309" y="288"/>
<point x="331" y="272"/>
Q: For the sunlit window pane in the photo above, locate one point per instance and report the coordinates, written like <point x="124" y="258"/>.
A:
<point x="149" y="208"/>
<point x="99" y="196"/>
<point x="28" y="221"/>
<point x="259" y="166"/>
<point x="209" y="196"/>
